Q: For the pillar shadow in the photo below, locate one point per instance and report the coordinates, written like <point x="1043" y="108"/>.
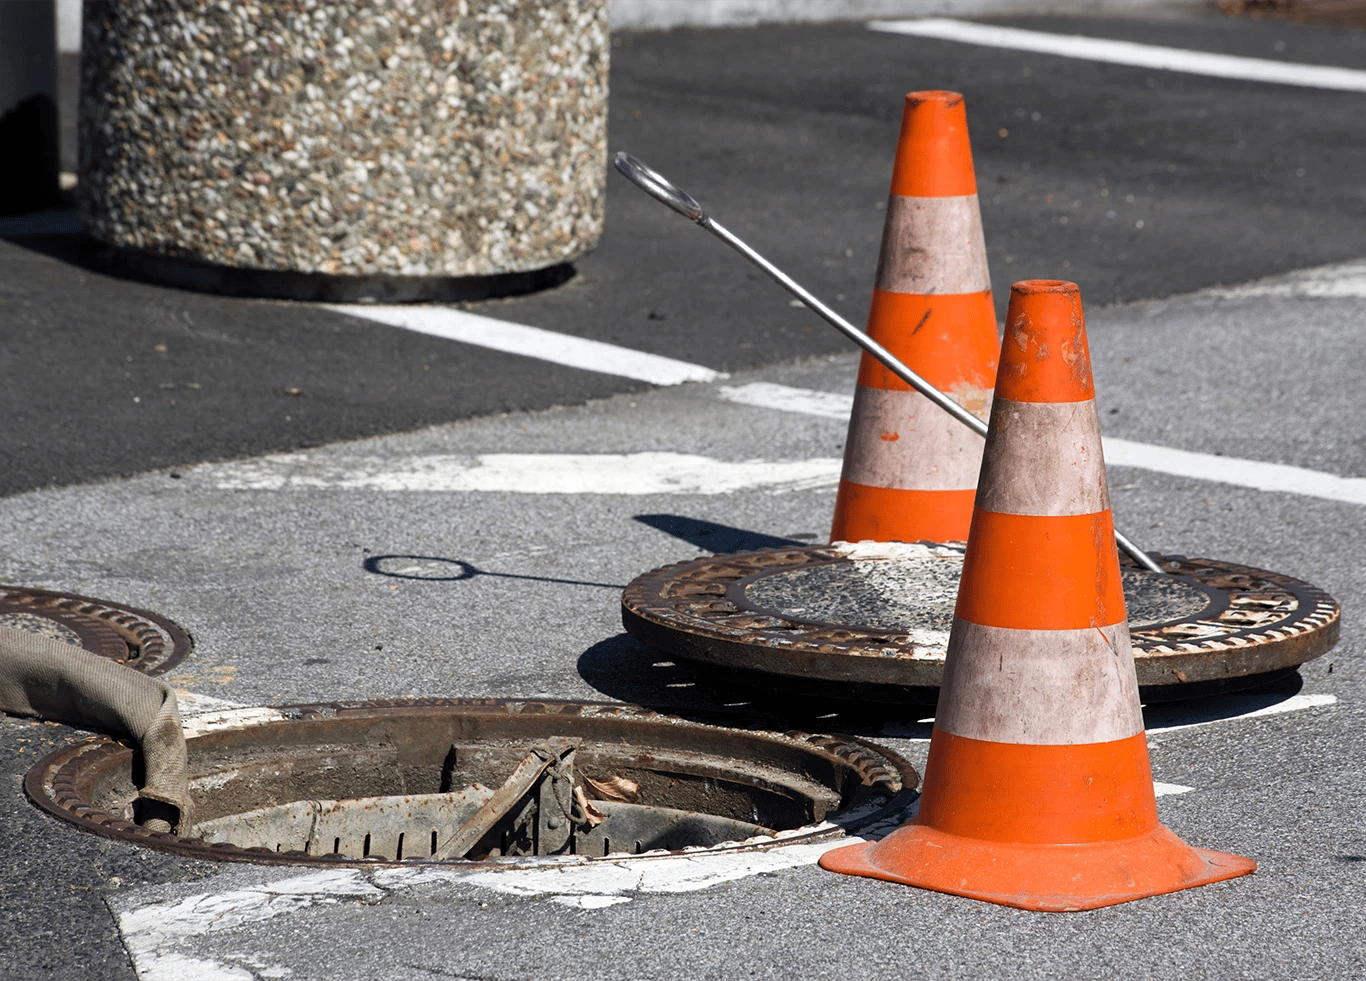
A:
<point x="712" y="537"/>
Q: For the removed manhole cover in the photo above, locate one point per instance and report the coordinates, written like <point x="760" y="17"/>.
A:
<point x="135" y="638"/>
<point x="871" y="620"/>
<point x="481" y="780"/>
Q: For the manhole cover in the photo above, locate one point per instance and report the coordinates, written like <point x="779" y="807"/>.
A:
<point x="481" y="780"/>
<point x="875" y="618"/>
<point x="135" y="638"/>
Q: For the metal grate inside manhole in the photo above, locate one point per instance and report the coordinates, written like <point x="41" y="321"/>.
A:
<point x="480" y="780"/>
<point x="135" y="638"/>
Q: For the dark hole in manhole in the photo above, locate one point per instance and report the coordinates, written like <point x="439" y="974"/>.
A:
<point x="477" y="780"/>
<point x="137" y="639"/>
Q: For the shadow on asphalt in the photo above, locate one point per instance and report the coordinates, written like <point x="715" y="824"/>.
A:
<point x="623" y="668"/>
<point x="713" y="537"/>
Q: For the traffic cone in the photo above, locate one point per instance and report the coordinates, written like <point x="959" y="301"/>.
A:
<point x="1038" y="792"/>
<point x="909" y="468"/>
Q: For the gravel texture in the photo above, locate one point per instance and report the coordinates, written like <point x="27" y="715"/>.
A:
<point x="913" y="588"/>
<point x="407" y="138"/>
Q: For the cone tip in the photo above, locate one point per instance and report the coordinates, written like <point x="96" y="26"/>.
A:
<point x="945" y="99"/>
<point x="1028" y="287"/>
<point x="933" y="158"/>
<point x="1044" y="357"/>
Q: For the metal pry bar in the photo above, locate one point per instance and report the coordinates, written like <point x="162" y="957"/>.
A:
<point x="662" y="189"/>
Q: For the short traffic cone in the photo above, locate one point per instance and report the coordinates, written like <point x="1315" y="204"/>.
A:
<point x="1038" y="792"/>
<point x="909" y="469"/>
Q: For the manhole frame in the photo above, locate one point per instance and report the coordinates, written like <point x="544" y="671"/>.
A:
<point x="50" y="783"/>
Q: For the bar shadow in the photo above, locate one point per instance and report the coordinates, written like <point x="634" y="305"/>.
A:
<point x="435" y="568"/>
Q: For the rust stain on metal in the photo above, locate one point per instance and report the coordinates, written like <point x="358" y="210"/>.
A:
<point x="384" y="782"/>
<point x="137" y="639"/>
<point x="1252" y="624"/>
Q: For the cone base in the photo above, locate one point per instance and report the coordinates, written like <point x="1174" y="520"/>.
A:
<point x="1053" y="878"/>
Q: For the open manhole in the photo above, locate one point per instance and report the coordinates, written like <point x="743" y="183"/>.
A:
<point x="871" y="620"/>
<point x="480" y="780"/>
<point x="135" y="638"/>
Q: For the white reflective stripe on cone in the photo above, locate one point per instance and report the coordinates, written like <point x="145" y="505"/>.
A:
<point x="933" y="246"/>
<point x="1044" y="458"/>
<point x="1040" y="687"/>
<point x="918" y="445"/>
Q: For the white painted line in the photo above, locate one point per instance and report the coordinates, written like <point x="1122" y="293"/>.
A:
<point x="598" y="883"/>
<point x="220" y="720"/>
<point x="1272" y="477"/>
<point x="533" y="342"/>
<point x="192" y="703"/>
<point x="1341" y="281"/>
<point x="1170" y="789"/>
<point x="765" y="395"/>
<point x="153" y="933"/>
<point x="1225" y="708"/>
<point x="1130" y="53"/>
<point x="524" y="473"/>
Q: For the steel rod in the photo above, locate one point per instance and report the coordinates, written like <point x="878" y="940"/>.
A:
<point x="662" y="189"/>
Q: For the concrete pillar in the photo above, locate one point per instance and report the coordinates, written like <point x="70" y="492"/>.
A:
<point x="409" y="149"/>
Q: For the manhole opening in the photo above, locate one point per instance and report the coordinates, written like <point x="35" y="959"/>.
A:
<point x="459" y="782"/>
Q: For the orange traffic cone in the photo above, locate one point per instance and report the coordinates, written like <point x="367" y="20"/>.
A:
<point x="909" y="469"/>
<point x="1038" y="792"/>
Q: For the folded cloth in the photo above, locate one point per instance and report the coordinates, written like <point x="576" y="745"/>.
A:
<point x="51" y="679"/>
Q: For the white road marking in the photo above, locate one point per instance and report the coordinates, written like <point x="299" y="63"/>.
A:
<point x="192" y="703"/>
<point x="765" y="395"/>
<point x="524" y="473"/>
<point x="1341" y="281"/>
<point x="152" y="933"/>
<point x="1130" y="53"/>
<point x="1271" y="477"/>
<point x="1225" y="708"/>
<point x="218" y="720"/>
<point x="1169" y="789"/>
<point x="533" y="342"/>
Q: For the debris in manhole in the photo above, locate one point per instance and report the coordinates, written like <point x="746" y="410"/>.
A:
<point x="481" y="780"/>
<point x="137" y="639"/>
<point x="871" y="620"/>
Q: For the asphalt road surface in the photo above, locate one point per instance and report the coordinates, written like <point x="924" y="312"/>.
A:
<point x="787" y="134"/>
<point x="136" y="474"/>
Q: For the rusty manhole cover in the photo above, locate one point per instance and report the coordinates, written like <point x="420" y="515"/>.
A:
<point x="135" y="638"/>
<point x="875" y="618"/>
<point x="482" y="780"/>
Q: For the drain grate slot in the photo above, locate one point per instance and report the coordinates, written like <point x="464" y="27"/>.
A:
<point x="355" y="828"/>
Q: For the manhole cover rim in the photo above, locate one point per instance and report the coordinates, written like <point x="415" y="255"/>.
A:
<point x="698" y="627"/>
<point x="170" y="643"/>
<point x="51" y="783"/>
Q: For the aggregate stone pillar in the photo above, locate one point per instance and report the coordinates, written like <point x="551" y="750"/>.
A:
<point x="399" y="150"/>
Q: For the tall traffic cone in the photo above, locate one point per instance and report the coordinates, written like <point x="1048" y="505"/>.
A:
<point x="1038" y="792"/>
<point x="909" y="469"/>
